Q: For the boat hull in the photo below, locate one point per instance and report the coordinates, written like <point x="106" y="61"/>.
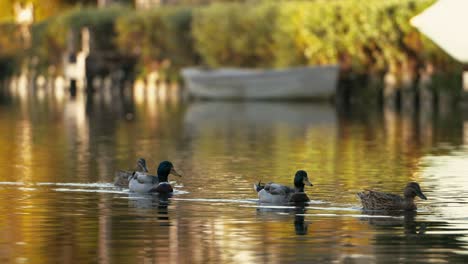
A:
<point x="295" y="83"/>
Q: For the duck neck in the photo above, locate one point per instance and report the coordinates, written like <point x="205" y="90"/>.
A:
<point x="408" y="203"/>
<point x="299" y="188"/>
<point x="162" y="177"/>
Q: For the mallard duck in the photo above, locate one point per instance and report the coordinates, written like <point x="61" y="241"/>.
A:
<point x="122" y="178"/>
<point x="145" y="183"/>
<point x="277" y="193"/>
<point x="372" y="200"/>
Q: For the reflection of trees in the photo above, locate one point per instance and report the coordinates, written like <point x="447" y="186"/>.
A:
<point x="225" y="155"/>
<point x="383" y="149"/>
<point x="260" y="140"/>
<point x="360" y="149"/>
<point x="51" y="139"/>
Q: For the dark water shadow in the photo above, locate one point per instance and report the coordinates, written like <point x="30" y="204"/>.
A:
<point x="405" y="219"/>
<point x="148" y="200"/>
<point x="406" y="235"/>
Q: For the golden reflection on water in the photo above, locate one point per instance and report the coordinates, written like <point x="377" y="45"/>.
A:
<point x="222" y="148"/>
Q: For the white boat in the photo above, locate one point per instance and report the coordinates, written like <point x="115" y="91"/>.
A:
<point x="445" y="23"/>
<point x="317" y="82"/>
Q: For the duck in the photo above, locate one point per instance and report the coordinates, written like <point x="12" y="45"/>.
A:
<point x="145" y="183"/>
<point x="372" y="200"/>
<point x="280" y="194"/>
<point x="122" y="178"/>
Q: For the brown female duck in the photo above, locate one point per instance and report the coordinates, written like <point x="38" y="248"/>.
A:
<point x="122" y="178"/>
<point x="372" y="200"/>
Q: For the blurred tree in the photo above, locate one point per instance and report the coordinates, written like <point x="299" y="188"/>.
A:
<point x="42" y="9"/>
<point x="6" y="12"/>
<point x="82" y="2"/>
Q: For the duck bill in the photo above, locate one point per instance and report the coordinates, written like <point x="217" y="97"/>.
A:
<point x="307" y="182"/>
<point x="174" y="172"/>
<point x="421" y="195"/>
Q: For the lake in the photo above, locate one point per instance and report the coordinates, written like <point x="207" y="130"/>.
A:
<point x="59" y="155"/>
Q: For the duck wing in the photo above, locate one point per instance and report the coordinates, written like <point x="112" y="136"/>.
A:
<point x="144" y="178"/>
<point x="122" y="178"/>
<point x="278" y="189"/>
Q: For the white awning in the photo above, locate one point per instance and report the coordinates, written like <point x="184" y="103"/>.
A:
<point x="446" y="23"/>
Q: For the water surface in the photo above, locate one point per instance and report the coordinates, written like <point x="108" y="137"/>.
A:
<point x="58" y="157"/>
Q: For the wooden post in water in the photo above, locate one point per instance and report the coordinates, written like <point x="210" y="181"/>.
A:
<point x="75" y="58"/>
<point x="70" y="61"/>
<point x="408" y="95"/>
<point x="426" y="105"/>
<point x="390" y="90"/>
<point x="465" y="82"/>
<point x="73" y="88"/>
<point x="465" y="132"/>
<point x="89" y="74"/>
<point x="426" y="96"/>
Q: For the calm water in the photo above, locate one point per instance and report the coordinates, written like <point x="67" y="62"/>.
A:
<point x="58" y="158"/>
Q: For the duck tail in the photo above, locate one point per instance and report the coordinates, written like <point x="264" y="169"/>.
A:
<point x="258" y="187"/>
<point x="365" y="195"/>
<point x="360" y="195"/>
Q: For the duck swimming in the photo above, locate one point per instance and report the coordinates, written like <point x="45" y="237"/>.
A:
<point x="122" y="178"/>
<point x="372" y="200"/>
<point x="277" y="193"/>
<point x="144" y="183"/>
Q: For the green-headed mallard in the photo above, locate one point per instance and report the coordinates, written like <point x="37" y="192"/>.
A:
<point x="122" y="178"/>
<point x="372" y="200"/>
<point x="277" y="193"/>
<point x="145" y="183"/>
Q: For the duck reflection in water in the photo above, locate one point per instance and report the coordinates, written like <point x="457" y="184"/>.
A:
<point x="146" y="204"/>
<point x="163" y="212"/>
<point x="147" y="200"/>
<point x="284" y="214"/>
<point x="300" y="225"/>
<point x="392" y="219"/>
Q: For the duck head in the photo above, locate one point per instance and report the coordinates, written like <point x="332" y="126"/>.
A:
<point x="412" y="190"/>
<point x="300" y="180"/>
<point x="164" y="169"/>
<point x="141" y="165"/>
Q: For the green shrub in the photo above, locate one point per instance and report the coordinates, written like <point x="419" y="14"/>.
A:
<point x="11" y="42"/>
<point x="371" y="36"/>
<point x="235" y="34"/>
<point x="161" y="37"/>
